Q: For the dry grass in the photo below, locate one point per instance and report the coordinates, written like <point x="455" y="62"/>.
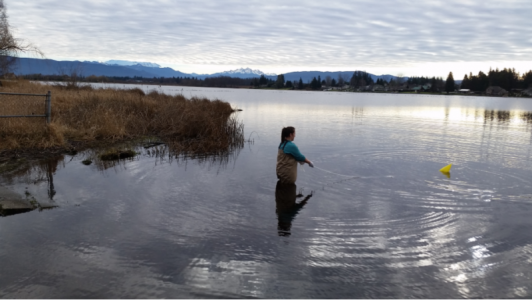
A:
<point x="93" y="116"/>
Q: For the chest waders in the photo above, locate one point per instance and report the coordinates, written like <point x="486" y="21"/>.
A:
<point x="286" y="166"/>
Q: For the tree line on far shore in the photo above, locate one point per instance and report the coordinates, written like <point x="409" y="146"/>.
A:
<point x="507" y="79"/>
<point x="221" y="81"/>
<point x="359" y="78"/>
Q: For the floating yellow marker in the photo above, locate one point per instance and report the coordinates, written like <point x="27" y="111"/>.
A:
<point x="446" y="169"/>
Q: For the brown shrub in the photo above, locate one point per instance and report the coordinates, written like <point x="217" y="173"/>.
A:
<point x="87" y="114"/>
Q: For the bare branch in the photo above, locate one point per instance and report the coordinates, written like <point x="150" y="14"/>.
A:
<point x="11" y="47"/>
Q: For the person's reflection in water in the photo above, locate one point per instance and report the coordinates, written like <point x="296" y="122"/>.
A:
<point x="287" y="207"/>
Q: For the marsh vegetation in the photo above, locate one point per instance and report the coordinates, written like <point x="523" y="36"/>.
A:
<point x="83" y="116"/>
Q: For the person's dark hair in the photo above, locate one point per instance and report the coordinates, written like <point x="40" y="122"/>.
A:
<point x="287" y="131"/>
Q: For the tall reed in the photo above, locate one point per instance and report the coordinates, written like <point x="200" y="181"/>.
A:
<point x="84" y="114"/>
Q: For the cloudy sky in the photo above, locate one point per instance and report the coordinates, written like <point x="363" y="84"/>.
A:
<point x="382" y="37"/>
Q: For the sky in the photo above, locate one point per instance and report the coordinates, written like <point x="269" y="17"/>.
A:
<point x="410" y="38"/>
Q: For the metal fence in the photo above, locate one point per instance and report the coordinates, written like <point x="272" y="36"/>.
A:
<point x="14" y="105"/>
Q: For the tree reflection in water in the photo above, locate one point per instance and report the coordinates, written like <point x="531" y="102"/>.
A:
<point x="286" y="206"/>
<point x="33" y="173"/>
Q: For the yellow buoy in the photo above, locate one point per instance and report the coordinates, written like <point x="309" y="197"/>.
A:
<point x="446" y="169"/>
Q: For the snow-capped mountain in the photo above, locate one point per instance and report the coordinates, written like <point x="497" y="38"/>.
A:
<point x="242" y="73"/>
<point x="247" y="71"/>
<point x="131" y="63"/>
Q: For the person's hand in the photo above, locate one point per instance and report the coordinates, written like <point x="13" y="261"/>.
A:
<point x="310" y="164"/>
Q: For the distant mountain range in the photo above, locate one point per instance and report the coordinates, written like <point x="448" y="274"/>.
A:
<point x="27" y="66"/>
<point x="130" y="63"/>
<point x="122" y="68"/>
<point x="244" y="73"/>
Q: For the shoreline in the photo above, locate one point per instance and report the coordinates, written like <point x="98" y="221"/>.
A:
<point x="289" y="89"/>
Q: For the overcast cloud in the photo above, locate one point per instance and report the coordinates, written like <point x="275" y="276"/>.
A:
<point x="280" y="35"/>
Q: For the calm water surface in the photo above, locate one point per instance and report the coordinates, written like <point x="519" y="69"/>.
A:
<point x="382" y="221"/>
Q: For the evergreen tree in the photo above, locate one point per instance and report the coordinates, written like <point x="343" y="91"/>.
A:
<point x="300" y="84"/>
<point x="263" y="80"/>
<point x="507" y="79"/>
<point x="414" y="81"/>
<point x="315" y="84"/>
<point x="255" y="82"/>
<point x="289" y="84"/>
<point x="433" y="83"/>
<point x="527" y="80"/>
<point x="381" y="81"/>
<point x="449" y="83"/>
<point x="480" y="82"/>
<point x="360" y="78"/>
<point x="465" y="83"/>
<point x="279" y="83"/>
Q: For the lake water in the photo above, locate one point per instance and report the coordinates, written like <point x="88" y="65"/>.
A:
<point x="382" y="220"/>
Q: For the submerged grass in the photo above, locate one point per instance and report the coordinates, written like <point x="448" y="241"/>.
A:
<point x="90" y="116"/>
<point x="114" y="154"/>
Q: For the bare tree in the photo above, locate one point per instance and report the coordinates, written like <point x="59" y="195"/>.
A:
<point x="400" y="78"/>
<point x="341" y="80"/>
<point x="10" y="46"/>
<point x="72" y="75"/>
<point x="328" y="80"/>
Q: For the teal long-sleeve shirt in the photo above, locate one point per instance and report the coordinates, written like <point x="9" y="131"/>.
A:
<point x="289" y="147"/>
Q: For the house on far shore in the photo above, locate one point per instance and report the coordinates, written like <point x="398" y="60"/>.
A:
<point x="496" y="91"/>
<point x="366" y="88"/>
<point x="527" y="92"/>
<point x="378" y="88"/>
<point x="421" y="88"/>
<point x="464" y="91"/>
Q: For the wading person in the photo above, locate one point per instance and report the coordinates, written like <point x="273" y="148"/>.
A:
<point x="288" y="156"/>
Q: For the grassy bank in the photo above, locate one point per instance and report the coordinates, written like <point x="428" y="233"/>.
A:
<point x="83" y="115"/>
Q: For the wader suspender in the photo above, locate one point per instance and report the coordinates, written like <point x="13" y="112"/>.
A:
<point x="283" y="144"/>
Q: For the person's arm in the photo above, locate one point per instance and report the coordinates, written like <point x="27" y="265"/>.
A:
<point x="292" y="149"/>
